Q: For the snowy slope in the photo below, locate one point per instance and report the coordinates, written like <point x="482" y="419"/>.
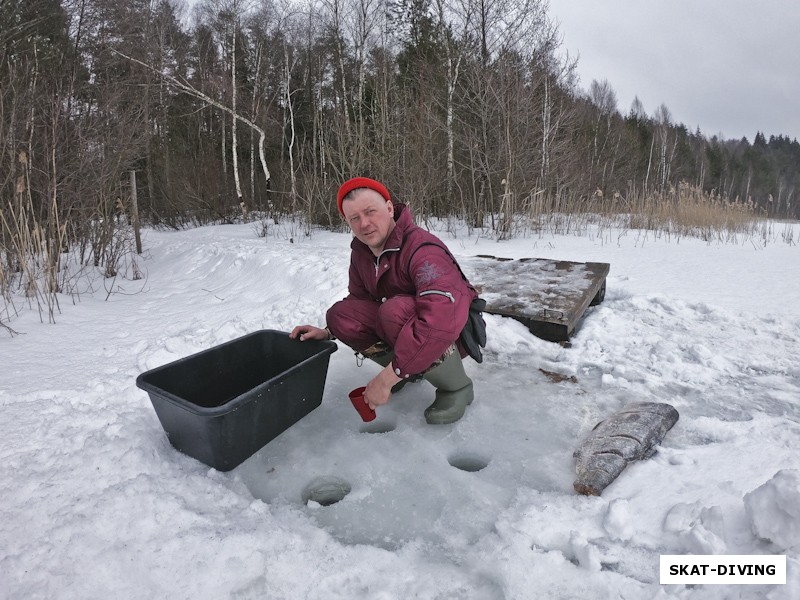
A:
<point x="97" y="504"/>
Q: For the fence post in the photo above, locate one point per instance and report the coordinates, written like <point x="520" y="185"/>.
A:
<point x="135" y="213"/>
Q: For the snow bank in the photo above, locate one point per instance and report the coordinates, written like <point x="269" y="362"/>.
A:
<point x="774" y="509"/>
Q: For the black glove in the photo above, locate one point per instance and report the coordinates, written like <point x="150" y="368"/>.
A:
<point x="473" y="336"/>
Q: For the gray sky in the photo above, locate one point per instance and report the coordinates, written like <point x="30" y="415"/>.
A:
<point x="727" y="66"/>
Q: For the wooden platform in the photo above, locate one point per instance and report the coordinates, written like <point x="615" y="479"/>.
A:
<point x="549" y="297"/>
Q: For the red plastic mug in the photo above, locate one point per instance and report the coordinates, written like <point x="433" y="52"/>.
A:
<point x="357" y="398"/>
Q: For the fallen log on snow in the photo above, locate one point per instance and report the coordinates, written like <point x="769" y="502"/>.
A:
<point x="628" y="435"/>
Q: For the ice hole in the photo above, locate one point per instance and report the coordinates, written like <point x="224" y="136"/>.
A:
<point x="377" y="428"/>
<point x="326" y="490"/>
<point x="468" y="462"/>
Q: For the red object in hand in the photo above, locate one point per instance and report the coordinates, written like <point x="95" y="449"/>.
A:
<point x="357" y="398"/>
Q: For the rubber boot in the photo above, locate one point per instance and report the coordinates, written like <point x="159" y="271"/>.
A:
<point x="453" y="391"/>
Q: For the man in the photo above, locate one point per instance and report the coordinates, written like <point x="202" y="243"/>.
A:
<point x="408" y="303"/>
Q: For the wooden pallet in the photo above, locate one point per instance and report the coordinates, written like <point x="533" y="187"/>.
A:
<point x="550" y="297"/>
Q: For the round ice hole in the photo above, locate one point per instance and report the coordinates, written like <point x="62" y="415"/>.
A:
<point x="326" y="490"/>
<point x="468" y="462"/>
<point x="376" y="427"/>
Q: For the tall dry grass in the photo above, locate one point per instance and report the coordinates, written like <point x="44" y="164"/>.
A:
<point x="44" y="260"/>
<point x="688" y="211"/>
<point x="682" y="211"/>
<point x="29" y="259"/>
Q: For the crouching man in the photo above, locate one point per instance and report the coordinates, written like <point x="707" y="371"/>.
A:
<point x="409" y="307"/>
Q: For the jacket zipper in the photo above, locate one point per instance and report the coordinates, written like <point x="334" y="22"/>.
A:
<point x="378" y="259"/>
<point x="439" y="293"/>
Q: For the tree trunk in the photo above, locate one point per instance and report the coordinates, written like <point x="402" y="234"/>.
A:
<point x="290" y="145"/>
<point x="234" y="129"/>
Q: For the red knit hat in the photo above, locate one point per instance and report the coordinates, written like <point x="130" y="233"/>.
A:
<point x="360" y="182"/>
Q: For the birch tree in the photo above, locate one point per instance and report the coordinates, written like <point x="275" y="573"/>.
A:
<point x="604" y="100"/>
<point x="667" y="143"/>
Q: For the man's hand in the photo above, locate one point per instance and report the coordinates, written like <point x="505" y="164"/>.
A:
<point x="308" y="332"/>
<point x="379" y="389"/>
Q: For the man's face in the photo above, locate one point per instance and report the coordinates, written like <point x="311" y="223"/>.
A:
<point x="371" y="218"/>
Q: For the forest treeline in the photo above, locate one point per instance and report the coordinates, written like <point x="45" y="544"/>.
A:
<point x="466" y="108"/>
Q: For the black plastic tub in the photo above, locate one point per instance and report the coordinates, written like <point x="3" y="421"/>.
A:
<point x="222" y="404"/>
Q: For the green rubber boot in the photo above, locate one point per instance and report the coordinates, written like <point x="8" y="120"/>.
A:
<point x="453" y="391"/>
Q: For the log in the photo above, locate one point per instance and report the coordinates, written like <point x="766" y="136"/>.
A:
<point x="628" y="435"/>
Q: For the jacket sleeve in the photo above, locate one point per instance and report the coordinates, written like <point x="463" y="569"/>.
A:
<point x="355" y="285"/>
<point x="442" y="300"/>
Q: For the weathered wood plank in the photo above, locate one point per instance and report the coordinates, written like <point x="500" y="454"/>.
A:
<point x="549" y="297"/>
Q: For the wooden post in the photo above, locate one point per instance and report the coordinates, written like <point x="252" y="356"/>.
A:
<point x="135" y="213"/>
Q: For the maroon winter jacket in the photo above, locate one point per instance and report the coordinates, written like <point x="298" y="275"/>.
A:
<point x="416" y="263"/>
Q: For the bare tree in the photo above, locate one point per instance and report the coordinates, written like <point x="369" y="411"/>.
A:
<point x="604" y="99"/>
<point x="667" y="143"/>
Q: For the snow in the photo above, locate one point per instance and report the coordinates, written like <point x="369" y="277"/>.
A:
<point x="774" y="509"/>
<point x="97" y="504"/>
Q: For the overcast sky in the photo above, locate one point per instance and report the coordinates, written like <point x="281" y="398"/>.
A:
<point x="727" y="66"/>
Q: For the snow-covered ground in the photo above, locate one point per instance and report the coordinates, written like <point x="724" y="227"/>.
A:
<point x="97" y="504"/>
